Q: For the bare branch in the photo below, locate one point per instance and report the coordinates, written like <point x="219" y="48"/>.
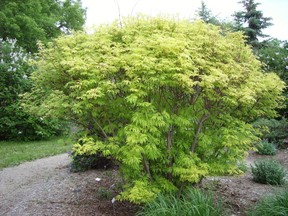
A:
<point x="119" y="12"/>
<point x="134" y="7"/>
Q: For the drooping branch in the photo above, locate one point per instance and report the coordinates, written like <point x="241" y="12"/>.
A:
<point x="170" y="132"/>
<point x="134" y="7"/>
<point x="110" y="123"/>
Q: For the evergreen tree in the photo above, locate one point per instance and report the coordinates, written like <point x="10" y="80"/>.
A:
<point x="206" y="15"/>
<point x="252" y="22"/>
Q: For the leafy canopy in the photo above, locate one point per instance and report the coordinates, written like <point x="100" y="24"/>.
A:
<point x="30" y="21"/>
<point x="169" y="99"/>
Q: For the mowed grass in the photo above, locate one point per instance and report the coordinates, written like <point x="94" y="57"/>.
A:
<point x="13" y="152"/>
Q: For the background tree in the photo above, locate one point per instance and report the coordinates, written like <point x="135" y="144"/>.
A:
<point x="30" y="21"/>
<point x="171" y="101"/>
<point x="206" y="15"/>
<point x="15" y="123"/>
<point x="251" y="21"/>
<point x="274" y="55"/>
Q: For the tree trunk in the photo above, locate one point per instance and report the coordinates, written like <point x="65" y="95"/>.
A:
<point x="198" y="130"/>
<point x="146" y="167"/>
<point x="169" y="146"/>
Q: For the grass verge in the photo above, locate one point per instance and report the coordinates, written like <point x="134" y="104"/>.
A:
<point x="14" y="152"/>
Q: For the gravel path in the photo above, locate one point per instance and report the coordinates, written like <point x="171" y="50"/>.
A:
<point x="22" y="186"/>
<point x="46" y="187"/>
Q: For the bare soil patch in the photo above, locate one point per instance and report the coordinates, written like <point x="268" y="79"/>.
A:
<point x="47" y="187"/>
<point x="240" y="192"/>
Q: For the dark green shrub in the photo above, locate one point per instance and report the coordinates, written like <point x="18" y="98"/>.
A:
<point x="93" y="161"/>
<point x="268" y="172"/>
<point x="273" y="54"/>
<point x="104" y="193"/>
<point x="15" y="123"/>
<point x="275" y="131"/>
<point x="276" y="205"/>
<point x="266" y="148"/>
<point x="193" y="202"/>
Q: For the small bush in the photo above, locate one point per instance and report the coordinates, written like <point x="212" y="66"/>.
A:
<point x="268" y="172"/>
<point x="276" y="205"/>
<point x="266" y="148"/>
<point x="193" y="202"/>
<point x="93" y="161"/>
<point x="104" y="193"/>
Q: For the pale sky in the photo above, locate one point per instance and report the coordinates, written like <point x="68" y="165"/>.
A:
<point x="105" y="11"/>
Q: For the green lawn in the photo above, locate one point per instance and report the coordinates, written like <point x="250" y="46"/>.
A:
<point x="13" y="153"/>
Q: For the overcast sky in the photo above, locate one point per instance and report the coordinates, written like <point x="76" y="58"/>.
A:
<point x="105" y="11"/>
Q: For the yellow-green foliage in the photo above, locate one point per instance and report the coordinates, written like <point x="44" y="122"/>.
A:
<point x="170" y="100"/>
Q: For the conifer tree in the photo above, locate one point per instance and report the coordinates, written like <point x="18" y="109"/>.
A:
<point x="252" y="22"/>
<point x="206" y="15"/>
